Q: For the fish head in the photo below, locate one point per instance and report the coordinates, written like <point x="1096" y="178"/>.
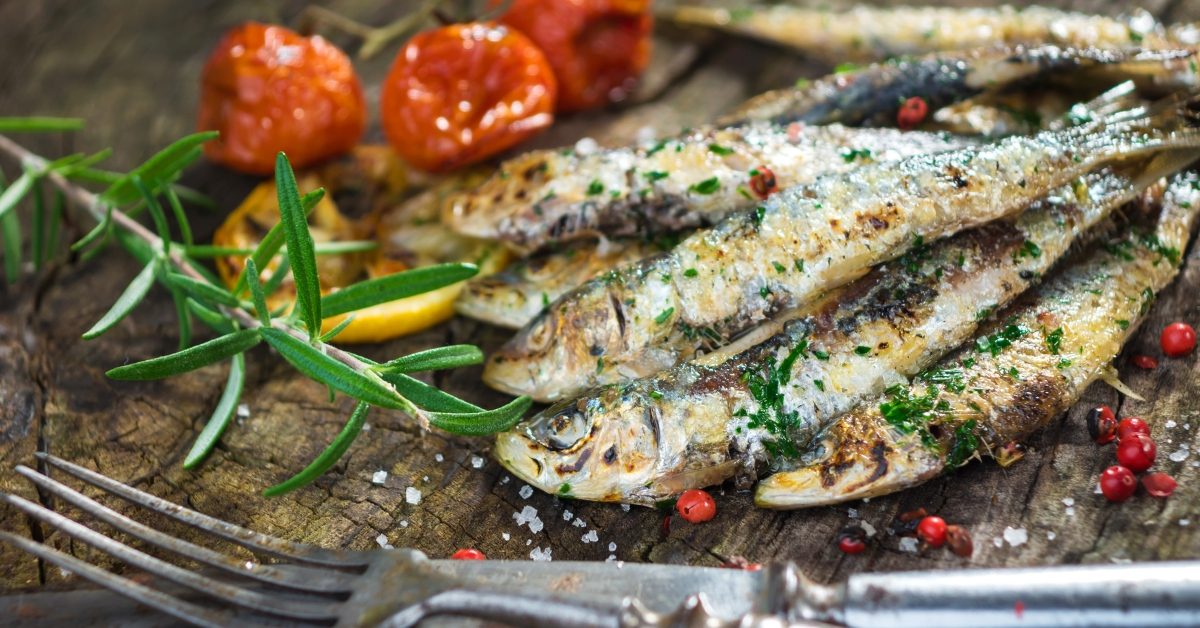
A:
<point x="562" y="351"/>
<point x="516" y="187"/>
<point x="603" y="447"/>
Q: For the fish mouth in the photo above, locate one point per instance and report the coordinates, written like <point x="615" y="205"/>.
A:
<point x="515" y="452"/>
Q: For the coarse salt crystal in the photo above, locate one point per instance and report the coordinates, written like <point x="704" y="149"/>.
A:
<point x="611" y="558"/>
<point x="852" y="512"/>
<point x="366" y="427"/>
<point x="586" y="146"/>
<point x="1184" y="522"/>
<point x="1070" y="511"/>
<point x="526" y="492"/>
<point x="243" y="411"/>
<point x="625" y="507"/>
<point x="425" y="478"/>
<point x="528" y="542"/>
<point x="382" y="540"/>
<point x="1050" y="536"/>
<point x="412" y="495"/>
<point x="506" y="536"/>
<point x="404" y="523"/>
<point x="868" y="528"/>
<point x="1068" y="501"/>
<point x="579" y="523"/>
<point x="612" y="546"/>
<point x="908" y="544"/>
<point x="506" y="479"/>
<point x="528" y="515"/>
<point x="379" y="477"/>
<point x="997" y="541"/>
<point x="476" y="462"/>
<point x="439" y="457"/>
<point x="590" y="537"/>
<point x="1171" y="423"/>
<point x="539" y="554"/>
<point x="1015" y="536"/>
<point x="1179" y="455"/>
<point x="568" y="515"/>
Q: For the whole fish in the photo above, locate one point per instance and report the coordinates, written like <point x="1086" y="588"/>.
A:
<point x="548" y="196"/>
<point x="872" y="95"/>
<point x="514" y="296"/>
<point x="874" y="33"/>
<point x="640" y="319"/>
<point x="1014" y="379"/>
<point x="736" y="412"/>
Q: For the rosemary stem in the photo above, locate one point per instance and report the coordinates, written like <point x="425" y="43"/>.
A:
<point x="97" y="209"/>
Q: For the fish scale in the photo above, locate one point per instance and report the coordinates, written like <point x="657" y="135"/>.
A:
<point x="1018" y="375"/>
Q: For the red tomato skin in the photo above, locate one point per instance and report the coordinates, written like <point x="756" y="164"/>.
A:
<point x="461" y="93"/>
<point x="598" y="48"/>
<point x="268" y="89"/>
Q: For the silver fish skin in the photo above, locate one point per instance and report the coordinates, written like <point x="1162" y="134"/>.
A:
<point x="546" y="197"/>
<point x="873" y="95"/>
<point x="514" y="296"/>
<point x="640" y="319"/>
<point x="865" y="33"/>
<point x="995" y="392"/>
<point x="735" y="413"/>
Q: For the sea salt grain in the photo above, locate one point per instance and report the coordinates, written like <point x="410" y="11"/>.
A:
<point x="243" y="411"/>
<point x="476" y="462"/>
<point x="590" y="537"/>
<point x="1068" y="501"/>
<point x="526" y="492"/>
<point x="1050" y="536"/>
<point x="852" y="513"/>
<point x="382" y="540"/>
<point x="1184" y="522"/>
<point x="625" y="507"/>
<point x="1171" y="424"/>
<point x="404" y="523"/>
<point x="586" y="146"/>
<point x="528" y="515"/>
<point x="1179" y="455"/>
<point x="379" y="477"/>
<point x="908" y="544"/>
<point x="506" y="536"/>
<point x="579" y="523"/>
<point x="568" y="515"/>
<point x="1015" y="536"/>
<point x="611" y="558"/>
<point x="868" y="528"/>
<point x="539" y="554"/>
<point x="412" y="495"/>
<point x="438" y="457"/>
<point x="997" y="541"/>
<point x="612" y="547"/>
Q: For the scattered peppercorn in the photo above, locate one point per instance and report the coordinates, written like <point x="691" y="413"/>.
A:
<point x="468" y="554"/>
<point x="959" y="541"/>
<point x="1136" y="452"/>
<point x="912" y="112"/>
<point x="1145" y="362"/>
<point x="696" y="506"/>
<point x="913" y="515"/>
<point x="1132" y="425"/>
<point x="762" y="182"/>
<point x="1102" y="424"/>
<point x="1159" y="484"/>
<point x="1010" y="453"/>
<point x="1117" y="483"/>
<point x="850" y="545"/>
<point x="932" y="530"/>
<point x="1178" y="340"/>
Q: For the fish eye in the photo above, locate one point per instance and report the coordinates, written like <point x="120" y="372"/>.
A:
<point x="560" y="428"/>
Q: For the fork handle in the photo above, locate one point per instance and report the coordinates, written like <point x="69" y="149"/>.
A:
<point x="525" y="609"/>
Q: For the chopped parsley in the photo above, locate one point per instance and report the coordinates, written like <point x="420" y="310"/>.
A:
<point x="565" y="489"/>
<point x="1054" y="340"/>
<point x="820" y="355"/>
<point x="779" y="268"/>
<point x="799" y="265"/>
<point x="595" y="187"/>
<point x="657" y="147"/>
<point x="766" y="386"/>
<point x="757" y="216"/>
<point x="691" y="272"/>
<point x="655" y="395"/>
<point x="1122" y="323"/>
<point x="707" y="186"/>
<point x="655" y="175"/>
<point x="666" y="314"/>
<point x="1063" y="363"/>
<point x="819" y="384"/>
<point x="862" y="350"/>
<point x="1001" y="340"/>
<point x="719" y="150"/>
<point x="965" y="444"/>
<point x="850" y="154"/>
<point x="1028" y="249"/>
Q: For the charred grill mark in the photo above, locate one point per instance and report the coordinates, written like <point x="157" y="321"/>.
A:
<point x="1034" y="400"/>
<point x="619" y="313"/>
<point x="564" y="469"/>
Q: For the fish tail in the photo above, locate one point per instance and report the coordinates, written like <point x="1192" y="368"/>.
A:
<point x="1172" y="123"/>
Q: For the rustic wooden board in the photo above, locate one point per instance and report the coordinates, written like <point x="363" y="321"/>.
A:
<point x="130" y="69"/>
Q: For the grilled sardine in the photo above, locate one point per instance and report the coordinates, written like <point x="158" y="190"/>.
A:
<point x="635" y="321"/>
<point x="550" y="196"/>
<point x="1016" y="377"/>
<point x="739" y="412"/>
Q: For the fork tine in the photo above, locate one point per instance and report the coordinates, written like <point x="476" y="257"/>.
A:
<point x="164" y="602"/>
<point x="247" y="538"/>
<point x="277" y="605"/>
<point x="293" y="576"/>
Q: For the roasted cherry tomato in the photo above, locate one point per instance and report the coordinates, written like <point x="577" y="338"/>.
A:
<point x="461" y="93"/>
<point x="598" y="48"/>
<point x="268" y="89"/>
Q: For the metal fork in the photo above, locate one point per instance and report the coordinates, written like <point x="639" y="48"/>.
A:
<point x="307" y="584"/>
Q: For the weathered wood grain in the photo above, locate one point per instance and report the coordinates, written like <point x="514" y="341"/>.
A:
<point x="130" y="68"/>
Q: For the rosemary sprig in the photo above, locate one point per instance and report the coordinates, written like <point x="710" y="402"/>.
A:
<point x="242" y="323"/>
